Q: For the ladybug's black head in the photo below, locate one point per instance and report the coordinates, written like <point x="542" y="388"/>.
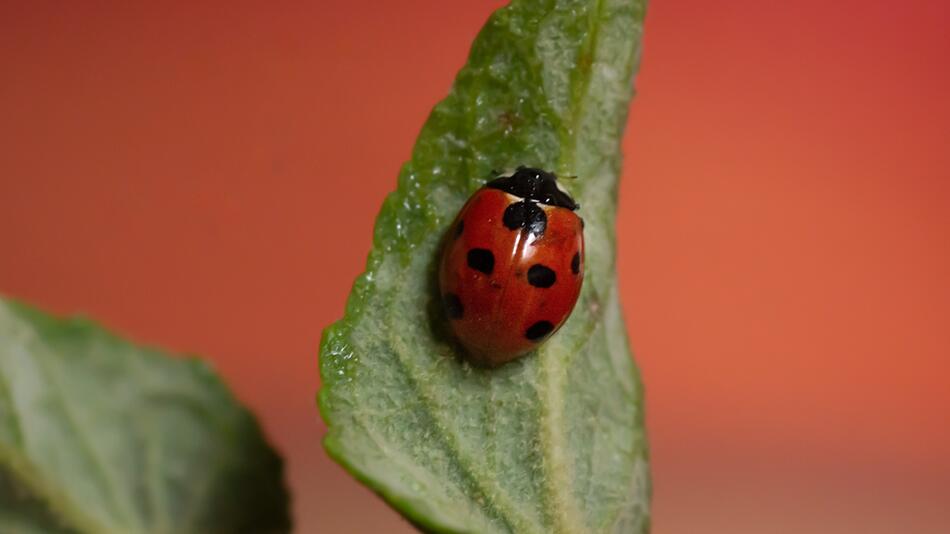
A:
<point x="534" y="184"/>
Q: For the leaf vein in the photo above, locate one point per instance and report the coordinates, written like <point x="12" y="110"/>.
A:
<point x="495" y="496"/>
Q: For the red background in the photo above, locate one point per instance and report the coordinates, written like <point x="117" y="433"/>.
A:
<point x="206" y="178"/>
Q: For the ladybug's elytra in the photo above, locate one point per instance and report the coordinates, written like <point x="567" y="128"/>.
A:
<point x="512" y="266"/>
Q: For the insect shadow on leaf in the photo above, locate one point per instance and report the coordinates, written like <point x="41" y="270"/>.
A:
<point x="435" y="310"/>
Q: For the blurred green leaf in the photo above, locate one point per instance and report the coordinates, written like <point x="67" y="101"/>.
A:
<point x="100" y="436"/>
<point x="554" y="441"/>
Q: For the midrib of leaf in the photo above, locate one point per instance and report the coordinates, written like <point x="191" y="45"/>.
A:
<point x="554" y="361"/>
<point x="584" y="63"/>
<point x="558" y="482"/>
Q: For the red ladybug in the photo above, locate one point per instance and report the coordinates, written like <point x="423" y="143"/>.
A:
<point x="512" y="266"/>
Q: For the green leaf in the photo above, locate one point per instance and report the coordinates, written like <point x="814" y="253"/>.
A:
<point x="100" y="436"/>
<point x="552" y="442"/>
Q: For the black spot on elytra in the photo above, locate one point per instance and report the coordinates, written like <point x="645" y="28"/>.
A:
<point x="576" y="263"/>
<point x="527" y="216"/>
<point x="459" y="229"/>
<point x="538" y="330"/>
<point x="541" y="276"/>
<point x="481" y="260"/>
<point x="453" y="306"/>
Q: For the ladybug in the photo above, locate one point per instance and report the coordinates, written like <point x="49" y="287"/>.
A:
<point x="512" y="266"/>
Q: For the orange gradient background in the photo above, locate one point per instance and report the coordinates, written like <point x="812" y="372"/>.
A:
<point x="205" y="178"/>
